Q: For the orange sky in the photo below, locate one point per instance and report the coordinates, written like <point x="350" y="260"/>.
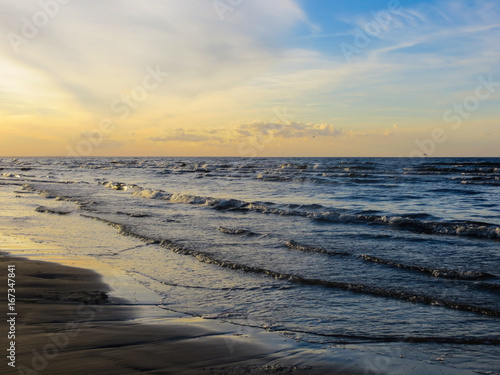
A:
<point x="256" y="79"/>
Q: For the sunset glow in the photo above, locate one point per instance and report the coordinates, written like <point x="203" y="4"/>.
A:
<point x="249" y="78"/>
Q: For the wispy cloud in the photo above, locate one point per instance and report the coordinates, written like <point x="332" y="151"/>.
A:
<point x="93" y="50"/>
<point x="259" y="130"/>
<point x="182" y="135"/>
<point x="413" y="69"/>
<point x="264" y="54"/>
<point x="290" y="130"/>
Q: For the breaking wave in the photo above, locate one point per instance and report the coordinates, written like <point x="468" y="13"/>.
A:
<point x="411" y="222"/>
<point x="206" y="257"/>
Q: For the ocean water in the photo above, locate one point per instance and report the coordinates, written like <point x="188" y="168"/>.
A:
<point x="394" y="255"/>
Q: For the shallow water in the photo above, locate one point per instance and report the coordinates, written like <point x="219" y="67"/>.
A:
<point x="399" y="254"/>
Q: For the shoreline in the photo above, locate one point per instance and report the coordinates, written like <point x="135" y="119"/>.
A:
<point x="66" y="325"/>
<point x="134" y="331"/>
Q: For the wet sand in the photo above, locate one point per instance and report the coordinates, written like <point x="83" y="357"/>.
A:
<point x="71" y="322"/>
<point x="67" y="324"/>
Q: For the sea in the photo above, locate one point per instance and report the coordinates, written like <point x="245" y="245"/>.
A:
<point x="399" y="256"/>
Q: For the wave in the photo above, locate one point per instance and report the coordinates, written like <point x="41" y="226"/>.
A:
<point x="349" y="338"/>
<point x="131" y="214"/>
<point x="411" y="222"/>
<point x="116" y="185"/>
<point x="177" y="285"/>
<point x="312" y="249"/>
<point x="454" y="168"/>
<point x="209" y="258"/>
<point x="124" y="230"/>
<point x="462" y="228"/>
<point x="456" y="191"/>
<point x="293" y="166"/>
<point x="47" y="210"/>
<point x="281" y="178"/>
<point x="483" y="181"/>
<point x="436" y="272"/>
<point x="234" y="231"/>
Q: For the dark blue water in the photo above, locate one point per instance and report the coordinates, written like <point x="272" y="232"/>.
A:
<point x="371" y="251"/>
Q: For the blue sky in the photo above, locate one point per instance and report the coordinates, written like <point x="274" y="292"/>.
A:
<point x="254" y="77"/>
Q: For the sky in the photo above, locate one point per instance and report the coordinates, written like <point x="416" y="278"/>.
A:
<point x="250" y="78"/>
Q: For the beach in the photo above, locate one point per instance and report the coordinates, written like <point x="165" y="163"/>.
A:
<point x="66" y="325"/>
<point x="283" y="187"/>
<point x="68" y="322"/>
<point x="117" y="273"/>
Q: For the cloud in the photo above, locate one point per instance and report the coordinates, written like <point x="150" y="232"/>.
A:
<point x="271" y="130"/>
<point x="290" y="130"/>
<point x="181" y="135"/>
<point x="95" y="50"/>
<point x="443" y="34"/>
<point x="412" y="72"/>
